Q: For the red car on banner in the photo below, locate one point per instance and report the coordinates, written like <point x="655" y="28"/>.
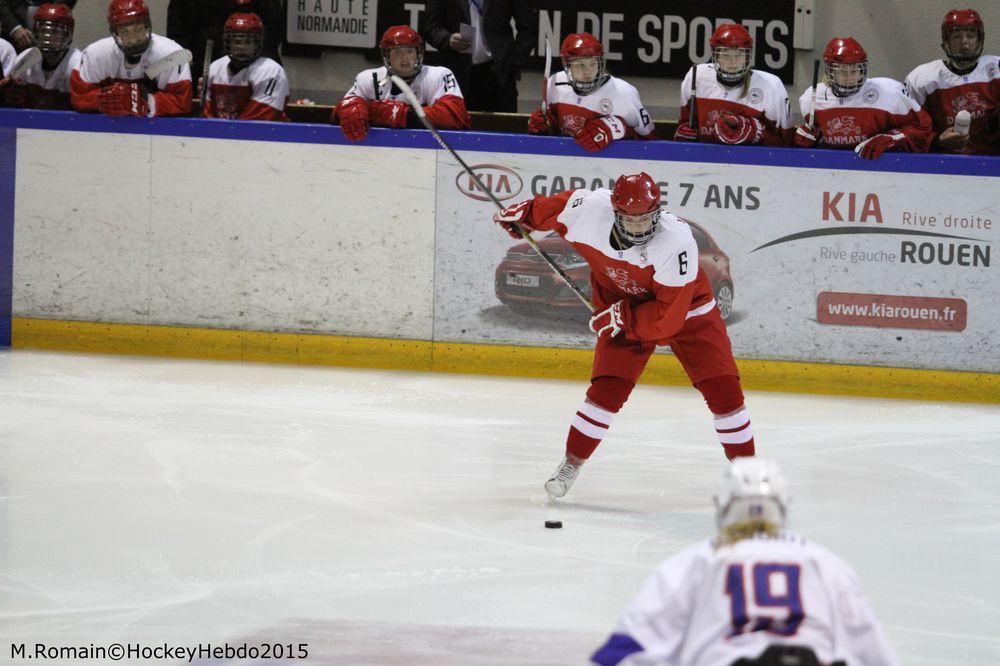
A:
<point x="526" y="284"/>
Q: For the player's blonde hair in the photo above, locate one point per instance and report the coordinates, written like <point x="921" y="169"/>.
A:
<point x="745" y="529"/>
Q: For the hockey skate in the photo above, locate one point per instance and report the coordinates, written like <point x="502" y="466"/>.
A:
<point x="564" y="476"/>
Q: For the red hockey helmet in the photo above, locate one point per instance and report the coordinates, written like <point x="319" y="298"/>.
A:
<point x="53" y="29"/>
<point x="969" y="22"/>
<point x="129" y="23"/>
<point x="583" y="61"/>
<point x="409" y="47"/>
<point x="732" y="53"/>
<point x="846" y="65"/>
<point x="636" y="202"/>
<point x="243" y="37"/>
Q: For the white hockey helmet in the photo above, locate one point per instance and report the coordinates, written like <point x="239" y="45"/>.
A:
<point x="753" y="489"/>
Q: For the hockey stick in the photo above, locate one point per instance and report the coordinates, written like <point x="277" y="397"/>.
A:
<point x="28" y="59"/>
<point x="812" y="120"/>
<point x="375" y="85"/>
<point x="206" y="67"/>
<point x="167" y="63"/>
<point x="419" y="110"/>
<point x="545" y="82"/>
<point x="693" y="103"/>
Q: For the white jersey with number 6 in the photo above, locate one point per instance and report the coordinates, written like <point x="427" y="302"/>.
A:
<point x="714" y="605"/>
<point x="614" y="98"/>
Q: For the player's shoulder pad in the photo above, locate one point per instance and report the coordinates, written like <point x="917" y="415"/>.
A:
<point x="100" y="47"/>
<point x="623" y="86"/>
<point x="991" y="65"/>
<point x="434" y="73"/>
<point x="921" y="75"/>
<point x="892" y="95"/>
<point x="264" y="67"/>
<point x="363" y="84"/>
<point x="805" y="99"/>
<point x="769" y="82"/>
<point x="672" y="245"/>
<point x="75" y="56"/>
<point x="217" y="66"/>
<point x="586" y="203"/>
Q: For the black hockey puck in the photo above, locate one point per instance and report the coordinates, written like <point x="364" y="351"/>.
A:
<point x="553" y="524"/>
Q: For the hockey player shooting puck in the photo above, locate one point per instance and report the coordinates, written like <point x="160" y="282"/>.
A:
<point x="553" y="524"/>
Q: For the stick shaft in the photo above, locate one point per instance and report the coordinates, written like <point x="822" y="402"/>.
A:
<point x="812" y="120"/>
<point x="693" y="103"/>
<point x="418" y="109"/>
<point x="206" y="66"/>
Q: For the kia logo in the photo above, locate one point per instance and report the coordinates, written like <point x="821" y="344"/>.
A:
<point x="504" y="183"/>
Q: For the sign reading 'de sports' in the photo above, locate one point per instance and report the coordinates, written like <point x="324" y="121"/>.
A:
<point x="347" y="23"/>
<point x="649" y="37"/>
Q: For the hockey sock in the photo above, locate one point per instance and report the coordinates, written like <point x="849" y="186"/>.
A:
<point x="587" y="429"/>
<point x="735" y="434"/>
<point x="605" y="397"/>
<point x="732" y="420"/>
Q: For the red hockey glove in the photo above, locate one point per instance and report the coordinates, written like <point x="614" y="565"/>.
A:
<point x="539" y="124"/>
<point x="388" y="113"/>
<point x="686" y="133"/>
<point x="511" y="216"/>
<point x="737" y="130"/>
<point x="805" y="136"/>
<point x="15" y="93"/>
<point x="600" y="132"/>
<point x="123" y="99"/>
<point x="353" y="114"/>
<point x="872" y="149"/>
<point x="612" y="321"/>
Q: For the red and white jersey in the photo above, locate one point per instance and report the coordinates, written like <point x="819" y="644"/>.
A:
<point x="7" y="56"/>
<point x="49" y="89"/>
<point x="882" y="105"/>
<point x="614" y="98"/>
<point x="104" y="63"/>
<point x="435" y="88"/>
<point x="715" y="605"/>
<point x="259" y="91"/>
<point x="942" y="94"/>
<point x="661" y="279"/>
<point x="766" y="99"/>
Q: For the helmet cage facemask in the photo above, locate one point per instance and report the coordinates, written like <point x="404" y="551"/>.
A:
<point x="138" y="48"/>
<point x="234" y="41"/>
<point x="649" y="220"/>
<point x="52" y="37"/>
<point x="962" y="60"/>
<point x="833" y="68"/>
<point x="417" y="63"/>
<point x="585" y="87"/>
<point x="731" y="78"/>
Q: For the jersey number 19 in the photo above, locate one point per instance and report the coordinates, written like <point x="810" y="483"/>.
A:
<point x="773" y="586"/>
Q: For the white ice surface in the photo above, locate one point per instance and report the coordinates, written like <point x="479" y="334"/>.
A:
<point x="397" y="518"/>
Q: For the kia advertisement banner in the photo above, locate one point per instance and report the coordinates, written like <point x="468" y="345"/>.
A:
<point x="810" y="265"/>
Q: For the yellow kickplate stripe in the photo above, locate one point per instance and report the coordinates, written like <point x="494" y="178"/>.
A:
<point x="425" y="356"/>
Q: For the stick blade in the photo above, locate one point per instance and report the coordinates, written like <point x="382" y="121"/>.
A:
<point x="25" y="61"/>
<point x="165" y="64"/>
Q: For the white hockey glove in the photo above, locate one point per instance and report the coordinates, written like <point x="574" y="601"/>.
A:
<point x="513" y="218"/>
<point x="611" y="321"/>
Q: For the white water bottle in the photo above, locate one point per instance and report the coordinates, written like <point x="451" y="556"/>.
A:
<point x="962" y="120"/>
